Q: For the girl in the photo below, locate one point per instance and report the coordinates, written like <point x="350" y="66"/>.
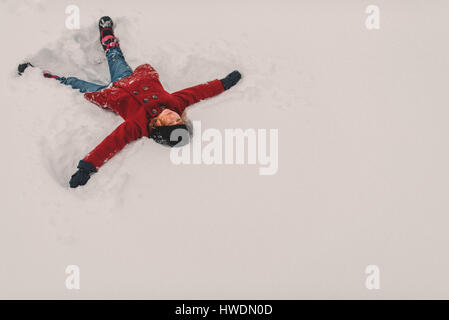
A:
<point x="139" y="98"/>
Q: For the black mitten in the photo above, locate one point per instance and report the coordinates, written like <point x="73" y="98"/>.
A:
<point x="231" y="79"/>
<point x="81" y="177"/>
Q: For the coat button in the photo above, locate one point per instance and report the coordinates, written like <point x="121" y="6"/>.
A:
<point x="153" y="111"/>
<point x="145" y="88"/>
<point x="154" y="97"/>
<point x="146" y="100"/>
<point x="136" y="92"/>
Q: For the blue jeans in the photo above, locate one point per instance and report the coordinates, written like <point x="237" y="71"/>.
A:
<point x="118" y="68"/>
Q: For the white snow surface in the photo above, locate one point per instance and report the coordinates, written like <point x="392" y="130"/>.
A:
<point x="363" y="158"/>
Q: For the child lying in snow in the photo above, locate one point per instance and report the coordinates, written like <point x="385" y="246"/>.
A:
<point x="139" y="98"/>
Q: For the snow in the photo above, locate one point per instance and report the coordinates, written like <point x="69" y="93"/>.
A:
<point x="363" y="175"/>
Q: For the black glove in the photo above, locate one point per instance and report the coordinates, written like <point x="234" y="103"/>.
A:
<point x="231" y="79"/>
<point x="81" y="177"/>
<point x="21" y="68"/>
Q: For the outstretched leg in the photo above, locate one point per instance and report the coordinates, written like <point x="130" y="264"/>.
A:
<point x="76" y="83"/>
<point x="81" y="85"/>
<point x="118" y="68"/>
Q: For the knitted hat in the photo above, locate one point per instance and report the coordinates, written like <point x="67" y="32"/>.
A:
<point x="172" y="136"/>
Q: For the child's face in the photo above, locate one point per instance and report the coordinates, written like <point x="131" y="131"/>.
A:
<point x="167" y="118"/>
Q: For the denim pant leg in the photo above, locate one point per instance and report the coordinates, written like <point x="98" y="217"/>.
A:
<point x="118" y="67"/>
<point x="82" y="85"/>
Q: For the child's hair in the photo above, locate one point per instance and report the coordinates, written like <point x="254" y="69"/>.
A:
<point x="163" y="135"/>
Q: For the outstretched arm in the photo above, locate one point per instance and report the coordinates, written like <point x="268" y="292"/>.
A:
<point x="125" y="133"/>
<point x="189" y="96"/>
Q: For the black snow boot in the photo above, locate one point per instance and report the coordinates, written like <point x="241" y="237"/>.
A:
<point x="107" y="38"/>
<point x="21" y="68"/>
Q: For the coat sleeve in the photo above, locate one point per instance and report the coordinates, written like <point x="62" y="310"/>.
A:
<point x="192" y="95"/>
<point x="125" y="133"/>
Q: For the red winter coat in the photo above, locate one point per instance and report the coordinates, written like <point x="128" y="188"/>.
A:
<point x="137" y="99"/>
